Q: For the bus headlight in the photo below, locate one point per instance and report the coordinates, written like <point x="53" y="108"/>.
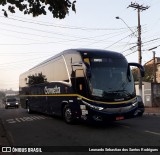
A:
<point x="134" y="102"/>
<point x="93" y="106"/>
<point x="97" y="108"/>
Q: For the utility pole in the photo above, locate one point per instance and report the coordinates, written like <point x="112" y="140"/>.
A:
<point x="139" y="43"/>
<point x="154" y="67"/>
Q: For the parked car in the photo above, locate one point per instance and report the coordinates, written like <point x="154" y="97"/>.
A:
<point x="11" y="102"/>
<point x="140" y="110"/>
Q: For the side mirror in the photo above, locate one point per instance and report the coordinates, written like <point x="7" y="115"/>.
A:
<point x="142" y="71"/>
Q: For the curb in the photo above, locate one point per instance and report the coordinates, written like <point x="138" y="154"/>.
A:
<point x="151" y="114"/>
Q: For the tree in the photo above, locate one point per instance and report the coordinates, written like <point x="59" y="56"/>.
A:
<point x="135" y="74"/>
<point x="2" y="94"/>
<point x="37" y="79"/>
<point x="58" y="8"/>
<point x="148" y="73"/>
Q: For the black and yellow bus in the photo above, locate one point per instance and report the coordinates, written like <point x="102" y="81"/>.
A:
<point x="88" y="84"/>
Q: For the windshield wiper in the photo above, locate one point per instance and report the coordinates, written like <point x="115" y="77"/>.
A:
<point x="117" y="92"/>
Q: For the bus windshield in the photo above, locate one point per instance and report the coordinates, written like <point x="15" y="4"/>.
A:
<point x="111" y="79"/>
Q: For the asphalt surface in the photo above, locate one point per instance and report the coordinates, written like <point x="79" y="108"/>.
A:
<point x="20" y="123"/>
<point x="4" y="137"/>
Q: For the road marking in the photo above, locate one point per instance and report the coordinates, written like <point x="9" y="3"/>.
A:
<point x="125" y="126"/>
<point x="17" y="119"/>
<point x="11" y="121"/>
<point x="155" y="133"/>
<point x="25" y="119"/>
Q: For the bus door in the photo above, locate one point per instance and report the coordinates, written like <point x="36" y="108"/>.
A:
<point x="80" y="82"/>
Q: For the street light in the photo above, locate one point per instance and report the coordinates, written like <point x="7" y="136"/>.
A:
<point x="139" y="49"/>
<point x="126" y="25"/>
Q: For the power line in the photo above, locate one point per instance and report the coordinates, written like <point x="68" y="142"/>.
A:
<point x="129" y="48"/>
<point x="118" y="41"/>
<point x="66" y="40"/>
<point x="60" y="42"/>
<point x="130" y="53"/>
<point x="152" y="48"/>
<point x="60" y="26"/>
<point x="104" y="40"/>
<point x="151" y="40"/>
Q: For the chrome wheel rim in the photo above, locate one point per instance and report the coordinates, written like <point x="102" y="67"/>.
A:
<point x="68" y="114"/>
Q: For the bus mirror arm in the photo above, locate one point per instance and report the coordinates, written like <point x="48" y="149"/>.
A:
<point x="88" y="70"/>
<point x="142" y="71"/>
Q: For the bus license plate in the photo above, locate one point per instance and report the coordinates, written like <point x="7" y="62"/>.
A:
<point x="119" y="118"/>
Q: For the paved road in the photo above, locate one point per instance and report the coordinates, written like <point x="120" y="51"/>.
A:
<point x="40" y="130"/>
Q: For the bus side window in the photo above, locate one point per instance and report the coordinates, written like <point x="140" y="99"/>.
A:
<point x="72" y="58"/>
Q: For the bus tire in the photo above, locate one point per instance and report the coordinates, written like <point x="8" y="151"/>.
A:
<point x="29" y="109"/>
<point x="67" y="115"/>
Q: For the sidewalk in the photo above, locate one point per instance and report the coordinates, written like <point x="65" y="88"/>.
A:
<point x="152" y="111"/>
<point x="3" y="136"/>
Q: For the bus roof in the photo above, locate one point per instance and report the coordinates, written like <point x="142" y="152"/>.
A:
<point x="84" y="51"/>
<point x="95" y="52"/>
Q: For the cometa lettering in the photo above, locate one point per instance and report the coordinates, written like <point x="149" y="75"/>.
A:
<point x="55" y="90"/>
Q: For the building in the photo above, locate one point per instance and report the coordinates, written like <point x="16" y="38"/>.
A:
<point x="157" y="68"/>
<point x="150" y="89"/>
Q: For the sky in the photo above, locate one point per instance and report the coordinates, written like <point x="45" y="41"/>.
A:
<point x="26" y="41"/>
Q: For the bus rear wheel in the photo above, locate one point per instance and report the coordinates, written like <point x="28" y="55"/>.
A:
<point x="67" y="115"/>
<point x="29" y="109"/>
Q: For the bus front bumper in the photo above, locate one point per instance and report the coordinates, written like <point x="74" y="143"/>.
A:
<point x="110" y="114"/>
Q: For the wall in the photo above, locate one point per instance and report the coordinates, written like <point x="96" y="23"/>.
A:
<point x="146" y="93"/>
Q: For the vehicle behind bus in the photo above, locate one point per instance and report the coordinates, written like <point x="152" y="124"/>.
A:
<point x="10" y="102"/>
<point x="81" y="84"/>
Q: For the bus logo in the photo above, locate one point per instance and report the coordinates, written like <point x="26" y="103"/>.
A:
<point x="55" y="90"/>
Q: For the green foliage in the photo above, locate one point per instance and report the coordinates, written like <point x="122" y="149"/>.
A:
<point x="135" y="74"/>
<point x="148" y="73"/>
<point x="36" y="79"/>
<point x="58" y="8"/>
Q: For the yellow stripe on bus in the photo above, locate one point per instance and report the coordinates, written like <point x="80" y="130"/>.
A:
<point x="82" y="97"/>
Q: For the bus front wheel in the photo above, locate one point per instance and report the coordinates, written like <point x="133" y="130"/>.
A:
<point x="67" y="115"/>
